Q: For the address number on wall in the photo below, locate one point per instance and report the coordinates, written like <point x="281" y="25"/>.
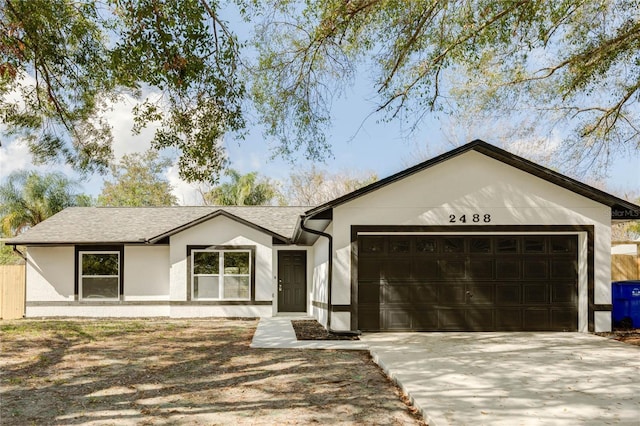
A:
<point x="470" y="218"/>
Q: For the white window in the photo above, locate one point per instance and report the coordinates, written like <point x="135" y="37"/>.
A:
<point x="99" y="275"/>
<point x="221" y="274"/>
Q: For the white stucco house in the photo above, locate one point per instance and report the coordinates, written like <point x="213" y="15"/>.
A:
<point x="474" y="239"/>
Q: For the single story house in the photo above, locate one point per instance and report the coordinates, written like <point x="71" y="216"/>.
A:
<point x="474" y="239"/>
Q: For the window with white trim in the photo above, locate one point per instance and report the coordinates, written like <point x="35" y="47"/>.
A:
<point x="99" y="275"/>
<point x="221" y="274"/>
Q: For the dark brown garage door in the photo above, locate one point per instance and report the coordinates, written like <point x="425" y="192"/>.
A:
<point x="468" y="283"/>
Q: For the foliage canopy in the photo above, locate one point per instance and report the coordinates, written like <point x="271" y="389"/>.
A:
<point x="242" y="190"/>
<point x="28" y="197"/>
<point x="137" y="181"/>
<point x="541" y="62"/>
<point x="65" y="62"/>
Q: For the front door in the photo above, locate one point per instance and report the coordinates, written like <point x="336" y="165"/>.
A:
<point x="292" y="281"/>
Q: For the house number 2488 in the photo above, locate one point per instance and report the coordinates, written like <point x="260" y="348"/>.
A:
<point x="474" y="218"/>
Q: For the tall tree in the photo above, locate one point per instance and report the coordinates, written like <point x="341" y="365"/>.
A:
<point x="28" y="197"/>
<point x="63" y="61"/>
<point x="537" y="62"/>
<point x="313" y="187"/>
<point x="242" y="190"/>
<point x="137" y="180"/>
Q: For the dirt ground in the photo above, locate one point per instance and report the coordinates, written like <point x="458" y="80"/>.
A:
<point x="179" y="372"/>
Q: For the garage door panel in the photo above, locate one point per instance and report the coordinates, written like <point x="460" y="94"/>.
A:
<point x="534" y="244"/>
<point x="481" y="245"/>
<point x="536" y="319"/>
<point x="508" y="269"/>
<point x="562" y="268"/>
<point x="369" y="292"/>
<point x="372" y="246"/>
<point x="480" y="294"/>
<point x="453" y="244"/>
<point x="451" y="319"/>
<point x="536" y="294"/>
<point x="509" y="319"/>
<point x="369" y="269"/>
<point x="399" y="246"/>
<point x="451" y="294"/>
<point x="480" y="319"/>
<point x="397" y="318"/>
<point x="424" y="293"/>
<point x="508" y="294"/>
<point x="507" y="245"/>
<point x="425" y="269"/>
<point x="562" y="244"/>
<point x="564" y="318"/>
<point x="536" y="269"/>
<point x="451" y="269"/>
<point x="396" y="293"/>
<point x="425" y="246"/>
<point x="398" y="269"/>
<point x="474" y="282"/>
<point x="369" y="317"/>
<point x="425" y="319"/>
<point x="481" y="269"/>
<point x="563" y="293"/>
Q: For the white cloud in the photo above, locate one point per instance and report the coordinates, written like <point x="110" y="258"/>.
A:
<point x="120" y="117"/>
<point x="188" y="194"/>
<point x="14" y="156"/>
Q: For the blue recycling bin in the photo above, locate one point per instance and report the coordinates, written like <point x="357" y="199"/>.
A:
<point x="625" y="296"/>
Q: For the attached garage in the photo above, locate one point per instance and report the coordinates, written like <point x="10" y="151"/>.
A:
<point x="476" y="239"/>
<point x="467" y="282"/>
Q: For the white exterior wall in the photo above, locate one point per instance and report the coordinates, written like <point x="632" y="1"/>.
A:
<point x="468" y="184"/>
<point x="146" y="273"/>
<point x="319" y="266"/>
<point x="50" y="274"/>
<point x="51" y="283"/>
<point x="221" y="231"/>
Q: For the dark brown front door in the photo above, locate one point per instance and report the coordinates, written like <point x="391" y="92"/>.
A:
<point x="292" y="281"/>
<point x="468" y="282"/>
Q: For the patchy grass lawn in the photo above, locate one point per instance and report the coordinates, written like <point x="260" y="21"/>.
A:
<point x="178" y="372"/>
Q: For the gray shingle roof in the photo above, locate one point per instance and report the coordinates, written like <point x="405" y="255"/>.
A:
<point x="91" y="225"/>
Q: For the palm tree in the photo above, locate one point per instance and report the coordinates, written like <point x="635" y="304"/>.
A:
<point x="27" y="198"/>
<point x="243" y="190"/>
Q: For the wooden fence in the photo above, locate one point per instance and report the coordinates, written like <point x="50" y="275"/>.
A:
<point x="12" y="291"/>
<point x="626" y="266"/>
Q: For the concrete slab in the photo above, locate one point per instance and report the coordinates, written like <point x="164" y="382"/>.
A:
<point x="278" y="333"/>
<point x="514" y="378"/>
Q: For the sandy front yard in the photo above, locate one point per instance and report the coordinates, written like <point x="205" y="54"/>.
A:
<point x="139" y="372"/>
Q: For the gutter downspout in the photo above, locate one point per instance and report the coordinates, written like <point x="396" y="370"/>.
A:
<point x="329" y="237"/>
<point x="21" y="254"/>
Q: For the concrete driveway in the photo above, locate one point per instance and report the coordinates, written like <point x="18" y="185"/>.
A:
<point x="514" y="378"/>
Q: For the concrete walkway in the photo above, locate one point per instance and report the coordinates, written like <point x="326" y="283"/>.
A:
<point x="497" y="378"/>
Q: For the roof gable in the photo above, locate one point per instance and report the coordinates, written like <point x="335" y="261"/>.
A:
<point x="620" y="209"/>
